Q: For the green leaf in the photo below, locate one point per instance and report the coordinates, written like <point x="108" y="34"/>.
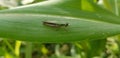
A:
<point x="91" y="48"/>
<point x="1" y="51"/>
<point x="26" y="22"/>
<point x="112" y="5"/>
<point x="119" y="6"/>
<point x="96" y="47"/>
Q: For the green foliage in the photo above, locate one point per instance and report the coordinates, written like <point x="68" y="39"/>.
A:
<point x="26" y="22"/>
<point x="1" y="51"/>
<point x="89" y="24"/>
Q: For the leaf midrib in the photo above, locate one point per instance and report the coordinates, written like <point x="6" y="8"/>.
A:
<point x="68" y="17"/>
